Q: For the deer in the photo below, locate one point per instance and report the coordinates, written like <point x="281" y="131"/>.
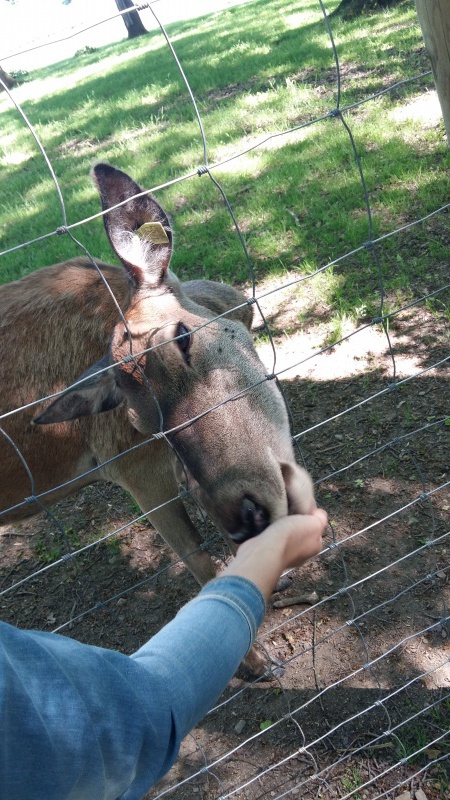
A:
<point x="127" y="375"/>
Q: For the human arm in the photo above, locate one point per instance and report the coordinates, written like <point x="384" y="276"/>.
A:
<point x="88" y="723"/>
<point x="85" y="722"/>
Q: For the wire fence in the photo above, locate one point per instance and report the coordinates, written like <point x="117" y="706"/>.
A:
<point x="363" y="707"/>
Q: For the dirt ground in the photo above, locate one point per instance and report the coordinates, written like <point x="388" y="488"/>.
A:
<point x="363" y="660"/>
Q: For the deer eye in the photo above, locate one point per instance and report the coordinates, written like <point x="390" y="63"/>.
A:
<point x="184" y="341"/>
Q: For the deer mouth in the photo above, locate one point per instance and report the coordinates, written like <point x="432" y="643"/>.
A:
<point x="240" y="520"/>
<point x="238" y="511"/>
<point x="254" y="519"/>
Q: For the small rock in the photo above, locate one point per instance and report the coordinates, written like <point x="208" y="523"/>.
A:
<point x="420" y="795"/>
<point x="121" y="601"/>
<point x="239" y="727"/>
<point x="441" y="575"/>
<point x="404" y="796"/>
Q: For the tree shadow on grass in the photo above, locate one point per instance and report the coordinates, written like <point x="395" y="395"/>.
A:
<point x="109" y="116"/>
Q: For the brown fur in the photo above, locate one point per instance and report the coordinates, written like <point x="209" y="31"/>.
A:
<point x="58" y="323"/>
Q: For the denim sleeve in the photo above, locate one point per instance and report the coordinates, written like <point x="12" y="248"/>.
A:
<point x="83" y="723"/>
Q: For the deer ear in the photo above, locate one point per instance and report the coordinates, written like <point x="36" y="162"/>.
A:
<point x="98" y="392"/>
<point x="139" y="231"/>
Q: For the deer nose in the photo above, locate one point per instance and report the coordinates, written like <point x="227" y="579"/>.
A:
<point x="254" y="519"/>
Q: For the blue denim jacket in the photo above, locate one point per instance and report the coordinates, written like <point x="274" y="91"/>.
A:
<point x="84" y="723"/>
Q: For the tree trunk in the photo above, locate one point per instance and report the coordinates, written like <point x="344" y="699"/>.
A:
<point x="8" y="80"/>
<point x="348" y="9"/>
<point x="434" y="18"/>
<point x="132" y="20"/>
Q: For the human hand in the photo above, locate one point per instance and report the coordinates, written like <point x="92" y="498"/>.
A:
<point x="288" y="542"/>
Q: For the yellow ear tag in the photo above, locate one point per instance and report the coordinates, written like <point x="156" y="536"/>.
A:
<point x="153" y="232"/>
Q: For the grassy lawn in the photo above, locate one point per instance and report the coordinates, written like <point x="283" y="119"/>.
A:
<point x="255" y="70"/>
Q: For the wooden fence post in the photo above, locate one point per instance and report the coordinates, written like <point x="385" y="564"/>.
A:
<point x="434" y="18"/>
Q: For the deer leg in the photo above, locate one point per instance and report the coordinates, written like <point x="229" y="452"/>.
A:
<point x="174" y="525"/>
<point x="156" y="493"/>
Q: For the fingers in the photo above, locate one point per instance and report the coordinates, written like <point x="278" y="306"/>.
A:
<point x="296" y="537"/>
<point x="302" y="535"/>
<point x="288" y="542"/>
<point x="321" y="516"/>
<point x="309" y="536"/>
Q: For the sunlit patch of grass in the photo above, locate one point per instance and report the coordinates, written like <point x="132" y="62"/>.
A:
<point x="255" y="70"/>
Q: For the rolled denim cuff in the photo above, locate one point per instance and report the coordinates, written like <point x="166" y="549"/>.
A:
<point x="239" y="593"/>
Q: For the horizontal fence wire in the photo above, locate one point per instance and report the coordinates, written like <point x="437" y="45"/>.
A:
<point x="314" y="738"/>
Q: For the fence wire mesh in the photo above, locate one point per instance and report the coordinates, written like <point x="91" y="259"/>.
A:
<point x="362" y="709"/>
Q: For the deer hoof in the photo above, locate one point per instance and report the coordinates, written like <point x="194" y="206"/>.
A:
<point x="256" y="667"/>
<point x="283" y="583"/>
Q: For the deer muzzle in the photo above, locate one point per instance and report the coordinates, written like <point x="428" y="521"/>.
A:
<point x="254" y="519"/>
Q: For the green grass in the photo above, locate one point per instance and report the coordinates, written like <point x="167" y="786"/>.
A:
<point x="255" y="70"/>
<point x="52" y="546"/>
<point x="414" y="736"/>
